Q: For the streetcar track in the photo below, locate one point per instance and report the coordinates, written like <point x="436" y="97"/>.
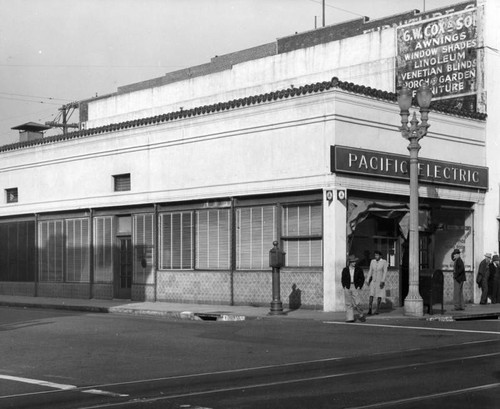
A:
<point x="247" y="386"/>
<point x="287" y="382"/>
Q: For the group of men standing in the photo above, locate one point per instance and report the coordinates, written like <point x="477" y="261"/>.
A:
<point x="353" y="279"/>
<point x="488" y="279"/>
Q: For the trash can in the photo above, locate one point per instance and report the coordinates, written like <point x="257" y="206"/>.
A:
<point x="431" y="286"/>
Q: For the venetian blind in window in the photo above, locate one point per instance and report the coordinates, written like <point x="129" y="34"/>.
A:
<point x="103" y="249"/>
<point x="302" y="229"/>
<point x="77" y="250"/>
<point x="255" y="233"/>
<point x="143" y="249"/>
<point x="122" y="182"/>
<point x="176" y="240"/>
<point x="213" y="239"/>
<point x="51" y="250"/>
<point x="17" y="255"/>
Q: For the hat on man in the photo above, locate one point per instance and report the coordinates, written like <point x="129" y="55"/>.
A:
<point x="495" y="258"/>
<point x="352" y="258"/>
<point x="456" y="251"/>
<point x="487" y="255"/>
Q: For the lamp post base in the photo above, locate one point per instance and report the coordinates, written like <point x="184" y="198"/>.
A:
<point x="414" y="307"/>
<point x="276" y="304"/>
<point x="276" y="308"/>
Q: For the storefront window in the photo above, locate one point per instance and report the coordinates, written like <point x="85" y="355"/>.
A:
<point x="453" y="231"/>
<point x="302" y="235"/>
<point x="176" y="243"/>
<point x="255" y="233"/>
<point x="213" y="239"/>
<point x="376" y="233"/>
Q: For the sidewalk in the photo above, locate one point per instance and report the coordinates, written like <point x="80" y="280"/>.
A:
<point x="233" y="313"/>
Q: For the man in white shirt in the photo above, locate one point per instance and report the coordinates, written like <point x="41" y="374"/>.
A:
<point x="376" y="281"/>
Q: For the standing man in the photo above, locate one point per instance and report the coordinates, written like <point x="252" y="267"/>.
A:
<point x="353" y="279"/>
<point x="458" y="280"/>
<point x="376" y="280"/>
<point x="483" y="274"/>
<point x="495" y="292"/>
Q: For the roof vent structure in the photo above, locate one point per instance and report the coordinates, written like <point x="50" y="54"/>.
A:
<point x="30" y="131"/>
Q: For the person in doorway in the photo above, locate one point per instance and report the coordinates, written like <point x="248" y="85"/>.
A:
<point x="458" y="280"/>
<point x="495" y="271"/>
<point x="483" y="274"/>
<point x="491" y="278"/>
<point x="353" y="279"/>
<point x="376" y="280"/>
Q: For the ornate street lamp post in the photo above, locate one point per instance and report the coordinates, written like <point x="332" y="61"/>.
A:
<point x="413" y="304"/>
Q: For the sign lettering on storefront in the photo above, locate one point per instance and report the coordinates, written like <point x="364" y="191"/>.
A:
<point x="441" y="52"/>
<point x="372" y="163"/>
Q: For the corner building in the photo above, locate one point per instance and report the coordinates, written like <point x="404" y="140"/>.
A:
<point x="175" y="188"/>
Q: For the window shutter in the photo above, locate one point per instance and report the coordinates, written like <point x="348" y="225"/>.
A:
<point x="302" y="235"/>
<point x="176" y="240"/>
<point x="77" y="250"/>
<point x="213" y="239"/>
<point x="143" y="248"/>
<point x="51" y="250"/>
<point x="256" y="231"/>
<point x="122" y="182"/>
<point x="103" y="249"/>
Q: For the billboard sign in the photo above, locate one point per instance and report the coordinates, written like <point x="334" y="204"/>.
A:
<point x="440" y="51"/>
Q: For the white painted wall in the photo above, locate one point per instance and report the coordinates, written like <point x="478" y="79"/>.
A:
<point x="365" y="60"/>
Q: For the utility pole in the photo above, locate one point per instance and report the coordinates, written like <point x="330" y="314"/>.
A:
<point x="324" y="12"/>
<point x="65" y="109"/>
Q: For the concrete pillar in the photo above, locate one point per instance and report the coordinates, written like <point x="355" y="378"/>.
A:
<point x="335" y="245"/>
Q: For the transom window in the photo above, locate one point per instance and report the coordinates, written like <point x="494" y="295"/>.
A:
<point x="122" y="182"/>
<point x="11" y="195"/>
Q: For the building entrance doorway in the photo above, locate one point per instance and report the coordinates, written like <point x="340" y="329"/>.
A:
<point x="123" y="281"/>
<point x="425" y="258"/>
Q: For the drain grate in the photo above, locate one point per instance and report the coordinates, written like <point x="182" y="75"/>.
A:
<point x="207" y="316"/>
<point x="471" y="317"/>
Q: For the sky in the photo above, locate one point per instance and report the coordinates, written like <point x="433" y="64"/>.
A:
<point x="53" y="52"/>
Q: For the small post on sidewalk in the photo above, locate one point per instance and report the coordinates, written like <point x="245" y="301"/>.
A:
<point x="276" y="261"/>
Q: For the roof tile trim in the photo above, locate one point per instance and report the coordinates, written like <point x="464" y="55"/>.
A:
<point x="236" y="103"/>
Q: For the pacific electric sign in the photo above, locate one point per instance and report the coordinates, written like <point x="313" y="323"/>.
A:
<point x="385" y="165"/>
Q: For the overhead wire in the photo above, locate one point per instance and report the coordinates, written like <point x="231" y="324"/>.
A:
<point x="33" y="96"/>
<point x="30" y="100"/>
<point x="88" y="66"/>
<point x="338" y="8"/>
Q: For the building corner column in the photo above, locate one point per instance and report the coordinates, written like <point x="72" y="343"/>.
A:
<point x="334" y="247"/>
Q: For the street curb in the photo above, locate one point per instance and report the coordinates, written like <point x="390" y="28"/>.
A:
<point x="66" y="307"/>
<point x="184" y="315"/>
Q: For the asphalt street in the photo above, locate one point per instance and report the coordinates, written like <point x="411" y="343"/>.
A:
<point x="64" y="359"/>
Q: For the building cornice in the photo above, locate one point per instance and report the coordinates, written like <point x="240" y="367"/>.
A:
<point x="287" y="93"/>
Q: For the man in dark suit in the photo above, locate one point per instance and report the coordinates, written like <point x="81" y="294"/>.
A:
<point x="495" y="282"/>
<point x="458" y="280"/>
<point x="353" y="279"/>
<point x="483" y="274"/>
